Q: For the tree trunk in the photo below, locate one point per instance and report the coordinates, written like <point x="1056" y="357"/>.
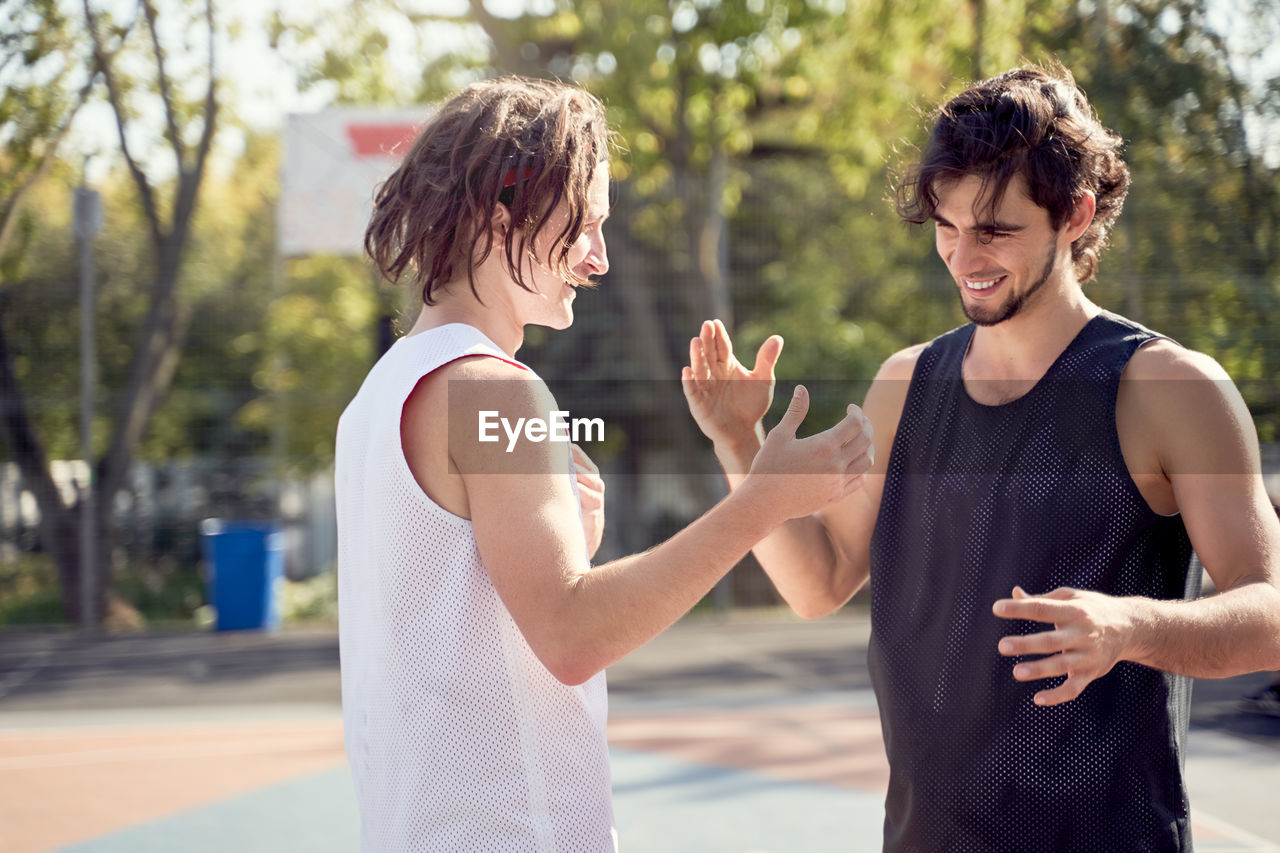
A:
<point x="63" y="530"/>
<point x="155" y="362"/>
<point x="59" y="524"/>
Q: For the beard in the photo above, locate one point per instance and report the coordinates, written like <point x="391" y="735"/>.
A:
<point x="983" y="316"/>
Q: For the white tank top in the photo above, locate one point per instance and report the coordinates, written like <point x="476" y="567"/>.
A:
<point x="459" y="739"/>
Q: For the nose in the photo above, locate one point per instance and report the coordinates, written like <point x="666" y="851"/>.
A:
<point x="597" y="259"/>
<point x="968" y="254"/>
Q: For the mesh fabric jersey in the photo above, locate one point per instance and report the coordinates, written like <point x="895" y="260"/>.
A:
<point x="459" y="739"/>
<point x="1035" y="493"/>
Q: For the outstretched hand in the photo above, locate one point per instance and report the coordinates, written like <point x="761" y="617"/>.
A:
<point x="800" y="476"/>
<point x="726" y="399"/>
<point x="1091" y="634"/>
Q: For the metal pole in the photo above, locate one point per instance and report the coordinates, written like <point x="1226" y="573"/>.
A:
<point x="716" y="272"/>
<point x="88" y="219"/>
<point x="279" y="447"/>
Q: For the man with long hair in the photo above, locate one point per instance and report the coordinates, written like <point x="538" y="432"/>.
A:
<point x="473" y="628"/>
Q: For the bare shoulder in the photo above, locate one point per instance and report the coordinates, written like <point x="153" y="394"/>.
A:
<point x="502" y="419"/>
<point x="901" y="365"/>
<point x="886" y="399"/>
<point x="1183" y="406"/>
<point x="482" y="381"/>
<point x="1164" y="360"/>
<point x="849" y="522"/>
<point x="1180" y="413"/>
<point x="438" y="424"/>
<point x="1163" y="378"/>
<point x="888" y="393"/>
<point x="486" y="368"/>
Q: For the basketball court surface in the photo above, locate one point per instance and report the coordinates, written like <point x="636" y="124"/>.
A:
<point x="755" y="733"/>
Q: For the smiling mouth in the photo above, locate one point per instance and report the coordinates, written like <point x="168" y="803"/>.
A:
<point x="981" y="285"/>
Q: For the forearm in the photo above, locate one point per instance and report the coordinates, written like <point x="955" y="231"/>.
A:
<point x="614" y="608"/>
<point x="579" y="619"/>
<point x="1230" y="633"/>
<point x="798" y="555"/>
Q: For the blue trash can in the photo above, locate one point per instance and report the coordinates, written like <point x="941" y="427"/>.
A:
<point x="245" y="561"/>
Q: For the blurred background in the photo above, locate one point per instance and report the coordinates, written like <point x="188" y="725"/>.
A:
<point x="184" y="313"/>
<point x="146" y="166"/>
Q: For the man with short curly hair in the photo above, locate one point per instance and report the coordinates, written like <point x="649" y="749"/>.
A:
<point x="1041" y="475"/>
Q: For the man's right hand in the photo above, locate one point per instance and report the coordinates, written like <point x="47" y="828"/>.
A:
<point x="726" y="399"/>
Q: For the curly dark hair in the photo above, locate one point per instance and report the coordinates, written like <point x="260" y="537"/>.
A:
<point x="1030" y="121"/>
<point x="528" y="144"/>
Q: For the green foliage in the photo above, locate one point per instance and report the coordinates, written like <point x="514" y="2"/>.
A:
<point x="806" y="108"/>
<point x="42" y="283"/>
<point x="314" y="600"/>
<point x="159" y="591"/>
<point x="814" y="106"/>
<point x="29" y="591"/>
<point x="226" y="281"/>
<point x="38" y="68"/>
<point x="318" y="343"/>
<point x="1195" y="253"/>
<point x="162" y="593"/>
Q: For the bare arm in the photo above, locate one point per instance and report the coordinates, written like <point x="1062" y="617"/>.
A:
<point x="578" y="618"/>
<point x="1208" y="454"/>
<point x="818" y="561"/>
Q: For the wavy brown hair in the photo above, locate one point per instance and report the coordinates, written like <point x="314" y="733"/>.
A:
<point x="528" y="144"/>
<point x="1029" y="121"/>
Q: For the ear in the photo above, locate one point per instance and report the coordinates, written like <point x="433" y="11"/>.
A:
<point x="1081" y="216"/>
<point x="500" y="221"/>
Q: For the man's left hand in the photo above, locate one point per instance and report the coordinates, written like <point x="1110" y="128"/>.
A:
<point x="1091" y="634"/>
<point x="590" y="498"/>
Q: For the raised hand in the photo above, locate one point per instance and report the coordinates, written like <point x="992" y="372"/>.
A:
<point x="590" y="498"/>
<point x="799" y="476"/>
<point x="725" y="398"/>
<point x="1091" y="634"/>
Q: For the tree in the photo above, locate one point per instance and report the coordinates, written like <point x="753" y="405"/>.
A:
<point x="167" y="205"/>
<point x="762" y="142"/>
<point x="1195" y="253"/>
<point x="37" y="107"/>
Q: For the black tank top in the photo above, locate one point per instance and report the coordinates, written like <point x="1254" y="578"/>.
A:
<point x="1035" y="493"/>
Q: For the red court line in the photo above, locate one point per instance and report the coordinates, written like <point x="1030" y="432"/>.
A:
<point x="828" y="746"/>
<point x="822" y="745"/>
<point x="64" y="786"/>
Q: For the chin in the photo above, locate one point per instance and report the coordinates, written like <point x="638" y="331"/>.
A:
<point x="990" y="315"/>
<point x="560" y="322"/>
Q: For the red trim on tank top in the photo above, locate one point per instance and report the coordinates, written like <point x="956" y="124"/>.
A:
<point x="509" y="361"/>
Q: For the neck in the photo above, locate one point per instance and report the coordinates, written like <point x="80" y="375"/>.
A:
<point x="1023" y="347"/>
<point x="456" y="303"/>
